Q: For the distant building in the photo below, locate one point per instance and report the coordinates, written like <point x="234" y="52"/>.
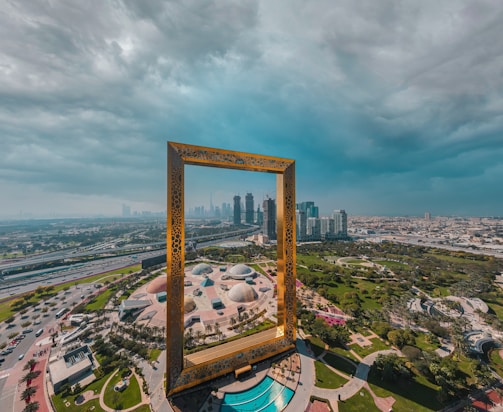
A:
<point x="301" y="223"/>
<point x="237" y="210"/>
<point x="269" y="225"/>
<point x="326" y="227"/>
<point x="427" y="216"/>
<point x="249" y="208"/>
<point x="313" y="228"/>
<point x="340" y="223"/>
<point x="126" y="211"/>
<point x="260" y="216"/>
<point x="309" y="209"/>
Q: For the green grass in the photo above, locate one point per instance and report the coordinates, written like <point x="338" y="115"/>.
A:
<point x="360" y="401"/>
<point x="495" y="360"/>
<point x="100" y="301"/>
<point x="416" y="395"/>
<point x="154" y="354"/>
<point x="391" y="265"/>
<point x="422" y="344"/>
<point x="345" y="353"/>
<point x="377" y="344"/>
<point x="317" y="345"/>
<point x="85" y="407"/>
<point x="95" y="386"/>
<point x="327" y="379"/>
<point x="130" y="397"/>
<point x="339" y="363"/>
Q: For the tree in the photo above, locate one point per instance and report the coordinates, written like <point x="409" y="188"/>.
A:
<point x="28" y="393"/>
<point x="29" y="377"/>
<point x="32" y="407"/>
<point x="30" y="364"/>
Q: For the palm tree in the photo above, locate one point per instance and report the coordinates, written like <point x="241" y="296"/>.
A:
<point x="28" y="393"/>
<point x="32" y="407"/>
<point x="29" y="377"/>
<point x="30" y="364"/>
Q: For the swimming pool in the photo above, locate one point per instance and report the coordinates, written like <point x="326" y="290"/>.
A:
<point x="267" y="396"/>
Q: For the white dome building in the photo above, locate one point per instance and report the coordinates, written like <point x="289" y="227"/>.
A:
<point x="241" y="272"/>
<point x="202" y="269"/>
<point x="242" y="293"/>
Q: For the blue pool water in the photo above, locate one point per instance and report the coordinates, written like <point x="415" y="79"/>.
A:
<point x="267" y="396"/>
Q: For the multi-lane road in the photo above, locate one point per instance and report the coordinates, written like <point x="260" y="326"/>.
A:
<point x="29" y="281"/>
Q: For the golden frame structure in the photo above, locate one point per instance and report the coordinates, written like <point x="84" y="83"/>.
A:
<point x="179" y="377"/>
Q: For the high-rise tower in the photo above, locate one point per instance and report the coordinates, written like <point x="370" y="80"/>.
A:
<point x="269" y="225"/>
<point x="237" y="210"/>
<point x="340" y="223"/>
<point x="249" y="209"/>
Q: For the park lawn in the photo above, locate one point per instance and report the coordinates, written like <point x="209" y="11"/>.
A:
<point x="416" y="395"/>
<point x="345" y="353"/>
<point x="495" y="360"/>
<point x="93" y="404"/>
<point x="154" y="354"/>
<point x="317" y="345"/>
<point x="142" y="408"/>
<point x="95" y="386"/>
<point x="390" y="264"/>
<point x="422" y="344"/>
<point x="126" y="399"/>
<point x="340" y="363"/>
<point x="100" y="301"/>
<point x="308" y="260"/>
<point x="360" y="401"/>
<point x="327" y="379"/>
<point x="377" y="345"/>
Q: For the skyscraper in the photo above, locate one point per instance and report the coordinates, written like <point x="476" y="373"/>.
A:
<point x="237" y="210"/>
<point x="340" y="223"/>
<point x="313" y="228"/>
<point x="126" y="211"/>
<point x="309" y="209"/>
<point x="326" y="227"/>
<point x="249" y="209"/>
<point x="300" y="218"/>
<point x="269" y="225"/>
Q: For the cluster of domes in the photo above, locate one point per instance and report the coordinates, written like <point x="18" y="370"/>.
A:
<point x="202" y="269"/>
<point x="242" y="293"/>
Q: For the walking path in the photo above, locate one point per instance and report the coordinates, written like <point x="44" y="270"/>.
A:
<point x="355" y="384"/>
<point x="144" y="398"/>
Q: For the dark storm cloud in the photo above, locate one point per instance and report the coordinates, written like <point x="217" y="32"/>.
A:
<point x="390" y="99"/>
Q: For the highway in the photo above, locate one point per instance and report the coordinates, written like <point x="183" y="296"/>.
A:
<point x="16" y="286"/>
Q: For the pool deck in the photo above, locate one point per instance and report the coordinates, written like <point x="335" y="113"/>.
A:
<point x="285" y="369"/>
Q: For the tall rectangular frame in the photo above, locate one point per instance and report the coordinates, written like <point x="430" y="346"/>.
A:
<point x="179" y="378"/>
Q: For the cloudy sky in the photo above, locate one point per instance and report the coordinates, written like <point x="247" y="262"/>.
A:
<point x="388" y="107"/>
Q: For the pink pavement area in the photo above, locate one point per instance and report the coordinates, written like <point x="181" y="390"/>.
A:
<point x="331" y="321"/>
<point x="17" y="372"/>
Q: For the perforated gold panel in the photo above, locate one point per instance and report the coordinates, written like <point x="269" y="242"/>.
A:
<point x="178" y="377"/>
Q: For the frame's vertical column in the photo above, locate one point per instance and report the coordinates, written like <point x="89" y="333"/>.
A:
<point x="175" y="250"/>
<point x="285" y="193"/>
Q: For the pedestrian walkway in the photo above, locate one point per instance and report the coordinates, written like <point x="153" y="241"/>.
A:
<point x="355" y="384"/>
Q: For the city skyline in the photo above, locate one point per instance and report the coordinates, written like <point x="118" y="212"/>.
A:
<point x="387" y="108"/>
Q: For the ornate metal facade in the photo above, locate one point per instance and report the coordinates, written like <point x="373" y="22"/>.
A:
<point x="179" y="377"/>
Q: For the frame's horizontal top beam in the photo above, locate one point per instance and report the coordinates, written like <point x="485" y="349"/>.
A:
<point x="206" y="156"/>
